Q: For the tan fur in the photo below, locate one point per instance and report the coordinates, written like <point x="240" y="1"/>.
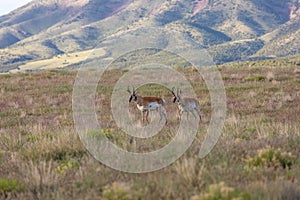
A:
<point x="186" y="104"/>
<point x="145" y="100"/>
<point x="148" y="103"/>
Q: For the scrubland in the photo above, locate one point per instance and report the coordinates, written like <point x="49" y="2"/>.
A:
<point x="257" y="156"/>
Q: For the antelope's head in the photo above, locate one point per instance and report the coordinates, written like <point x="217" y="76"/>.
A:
<point x="133" y="94"/>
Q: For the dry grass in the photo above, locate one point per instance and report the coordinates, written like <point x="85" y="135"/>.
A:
<point x="60" y="61"/>
<point x="40" y="150"/>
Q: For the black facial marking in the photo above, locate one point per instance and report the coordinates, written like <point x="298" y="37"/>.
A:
<point x="174" y="100"/>
<point x="130" y="98"/>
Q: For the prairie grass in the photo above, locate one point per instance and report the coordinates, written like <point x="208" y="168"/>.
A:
<point x="42" y="157"/>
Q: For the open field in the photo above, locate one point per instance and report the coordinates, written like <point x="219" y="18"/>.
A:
<point x="257" y="156"/>
<point x="59" y="61"/>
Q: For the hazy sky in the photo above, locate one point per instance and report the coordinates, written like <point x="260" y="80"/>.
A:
<point x="8" y="5"/>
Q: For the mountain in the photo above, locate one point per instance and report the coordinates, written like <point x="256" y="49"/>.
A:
<point x="64" y="31"/>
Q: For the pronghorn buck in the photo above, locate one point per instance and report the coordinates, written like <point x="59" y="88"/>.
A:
<point x="147" y="103"/>
<point x="186" y="104"/>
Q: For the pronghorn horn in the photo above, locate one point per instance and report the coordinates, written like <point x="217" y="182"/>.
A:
<point x="128" y="90"/>
<point x="133" y="90"/>
<point x="173" y="91"/>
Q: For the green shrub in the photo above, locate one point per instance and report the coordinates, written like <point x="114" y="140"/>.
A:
<point x="221" y="191"/>
<point x="105" y="132"/>
<point x="256" y="78"/>
<point x="271" y="157"/>
<point x="32" y="138"/>
<point x="10" y="185"/>
<point x="63" y="154"/>
<point x="67" y="165"/>
<point x="117" y="191"/>
<point x="67" y="123"/>
<point x="5" y="75"/>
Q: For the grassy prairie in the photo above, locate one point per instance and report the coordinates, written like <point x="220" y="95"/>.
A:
<point x="60" y="61"/>
<point x="257" y="156"/>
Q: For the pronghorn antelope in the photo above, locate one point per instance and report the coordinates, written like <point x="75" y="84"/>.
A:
<point x="147" y="103"/>
<point x="186" y="104"/>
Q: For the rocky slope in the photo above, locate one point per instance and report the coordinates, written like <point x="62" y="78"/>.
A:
<point x="230" y="30"/>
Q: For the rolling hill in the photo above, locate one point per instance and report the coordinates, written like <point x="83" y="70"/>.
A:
<point x="229" y="30"/>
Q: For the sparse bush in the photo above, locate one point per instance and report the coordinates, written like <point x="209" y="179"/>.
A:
<point x="67" y="123"/>
<point x="39" y="176"/>
<point x="11" y="142"/>
<point x="105" y="132"/>
<point x="256" y="78"/>
<point x="10" y="185"/>
<point x="117" y="191"/>
<point x="271" y="157"/>
<point x="32" y="138"/>
<point x="67" y="165"/>
<point x="190" y="173"/>
<point x="6" y="75"/>
<point x="221" y="191"/>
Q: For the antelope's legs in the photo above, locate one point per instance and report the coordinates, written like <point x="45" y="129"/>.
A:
<point x="199" y="113"/>
<point x="147" y="113"/>
<point x="162" y="114"/>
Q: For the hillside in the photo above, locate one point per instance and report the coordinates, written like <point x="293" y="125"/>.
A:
<point x="229" y="30"/>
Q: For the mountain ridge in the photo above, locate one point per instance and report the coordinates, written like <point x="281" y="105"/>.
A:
<point x="229" y="30"/>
